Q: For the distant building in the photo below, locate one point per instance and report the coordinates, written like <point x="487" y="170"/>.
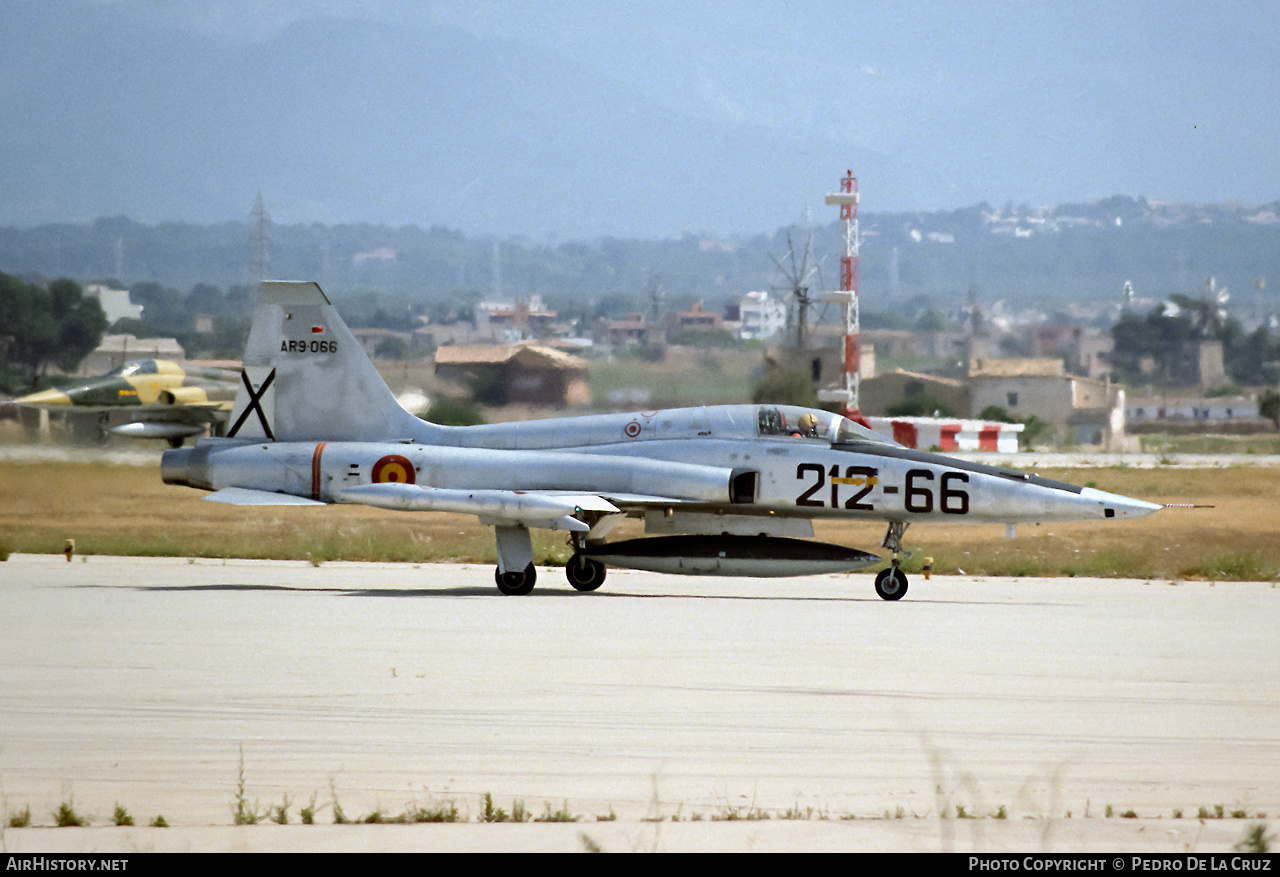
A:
<point x="525" y="318"/>
<point x="879" y="394"/>
<point x="1085" y="351"/>
<point x="371" y="339"/>
<point x="895" y="343"/>
<point x="1080" y="410"/>
<point x="1186" y="363"/>
<point x="526" y="373"/>
<point x="1093" y="354"/>
<point x="115" y="302"/>
<point x="1195" y="414"/>
<point x="760" y="317"/>
<point x="696" y="319"/>
<point x="616" y="333"/>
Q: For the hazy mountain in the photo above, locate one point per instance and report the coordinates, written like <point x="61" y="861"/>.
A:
<point x="360" y="121"/>
<point x="1054" y="258"/>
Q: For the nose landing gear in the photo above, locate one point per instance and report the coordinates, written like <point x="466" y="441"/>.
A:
<point x="891" y="583"/>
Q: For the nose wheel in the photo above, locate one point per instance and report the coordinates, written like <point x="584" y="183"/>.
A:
<point x="891" y="583"/>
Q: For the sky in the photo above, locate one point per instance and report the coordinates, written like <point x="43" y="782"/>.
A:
<point x="932" y="105"/>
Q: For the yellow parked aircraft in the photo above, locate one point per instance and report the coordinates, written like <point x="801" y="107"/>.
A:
<point x="156" y="399"/>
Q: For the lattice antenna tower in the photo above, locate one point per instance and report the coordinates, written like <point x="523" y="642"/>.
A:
<point x="847" y="295"/>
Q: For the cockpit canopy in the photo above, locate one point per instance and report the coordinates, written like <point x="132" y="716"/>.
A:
<point x="813" y="424"/>
<point x="134" y="367"/>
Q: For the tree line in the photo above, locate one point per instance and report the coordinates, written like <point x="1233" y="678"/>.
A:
<point x="44" y="326"/>
<point x="1170" y="338"/>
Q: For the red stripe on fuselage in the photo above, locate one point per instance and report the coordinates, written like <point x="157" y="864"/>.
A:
<point x="315" y="470"/>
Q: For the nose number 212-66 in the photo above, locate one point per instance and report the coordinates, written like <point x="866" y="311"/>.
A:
<point x="920" y="495"/>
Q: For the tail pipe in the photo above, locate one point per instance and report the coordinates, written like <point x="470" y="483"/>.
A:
<point x="186" y="466"/>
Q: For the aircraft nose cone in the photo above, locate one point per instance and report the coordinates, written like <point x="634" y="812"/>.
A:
<point x="45" y="397"/>
<point x="1116" y="506"/>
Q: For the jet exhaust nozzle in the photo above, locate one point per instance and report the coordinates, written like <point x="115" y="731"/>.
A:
<point x="186" y="466"/>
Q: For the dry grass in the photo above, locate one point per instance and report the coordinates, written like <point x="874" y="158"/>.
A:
<point x="118" y="509"/>
<point x="1236" y="539"/>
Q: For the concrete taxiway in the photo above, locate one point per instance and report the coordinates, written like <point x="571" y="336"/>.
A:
<point x="165" y="684"/>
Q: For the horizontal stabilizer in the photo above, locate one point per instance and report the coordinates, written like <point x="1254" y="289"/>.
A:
<point x="246" y="496"/>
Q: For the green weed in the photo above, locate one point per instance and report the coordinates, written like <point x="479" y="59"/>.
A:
<point x="795" y="813"/>
<point x="243" y="812"/>
<point x="1255" y="840"/>
<point x="339" y="815"/>
<point x="561" y="815"/>
<point x="444" y="813"/>
<point x="490" y="813"/>
<point x="67" y="817"/>
<point x="737" y="814"/>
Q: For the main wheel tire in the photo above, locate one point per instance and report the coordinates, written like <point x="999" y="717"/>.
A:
<point x="514" y="583"/>
<point x="584" y="573"/>
<point x="891" y="584"/>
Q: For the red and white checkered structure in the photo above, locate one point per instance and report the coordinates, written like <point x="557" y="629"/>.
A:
<point x="948" y="434"/>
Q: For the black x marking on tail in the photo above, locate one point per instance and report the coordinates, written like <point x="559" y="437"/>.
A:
<point x="255" y="404"/>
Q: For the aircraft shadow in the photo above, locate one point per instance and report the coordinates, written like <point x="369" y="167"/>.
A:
<point x="549" y="593"/>
<point x="538" y="593"/>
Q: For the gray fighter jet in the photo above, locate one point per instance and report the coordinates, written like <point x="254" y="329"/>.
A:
<point x="723" y="490"/>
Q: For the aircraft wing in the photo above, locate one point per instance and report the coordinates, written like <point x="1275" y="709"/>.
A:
<point x="536" y="509"/>
<point x="248" y="496"/>
<point x="552" y="510"/>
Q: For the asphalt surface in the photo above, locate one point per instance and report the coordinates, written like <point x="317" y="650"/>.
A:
<point x="678" y="705"/>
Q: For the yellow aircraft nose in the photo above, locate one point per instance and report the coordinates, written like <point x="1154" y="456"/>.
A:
<point x="45" y="397"/>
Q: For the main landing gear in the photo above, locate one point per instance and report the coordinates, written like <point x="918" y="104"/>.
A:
<point x="891" y="583"/>
<point x="584" y="573"/>
<point x="516" y="576"/>
<point x="516" y="583"/>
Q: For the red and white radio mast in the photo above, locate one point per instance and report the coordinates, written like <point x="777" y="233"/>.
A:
<point x="847" y="199"/>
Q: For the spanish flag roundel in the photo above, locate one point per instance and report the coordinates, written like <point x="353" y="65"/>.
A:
<point x="393" y="468"/>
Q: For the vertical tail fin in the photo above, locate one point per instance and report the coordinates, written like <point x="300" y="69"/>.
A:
<point x="306" y="377"/>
